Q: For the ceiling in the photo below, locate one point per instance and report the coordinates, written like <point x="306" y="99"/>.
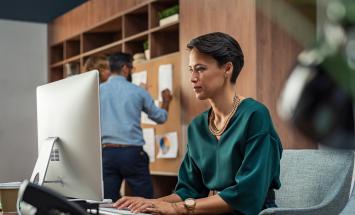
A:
<point x="42" y="11"/>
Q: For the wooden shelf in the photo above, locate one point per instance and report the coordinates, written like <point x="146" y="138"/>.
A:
<point x="72" y="67"/>
<point x="102" y="35"/>
<point x="56" y="73"/>
<point x="136" y="21"/>
<point x="72" y="47"/>
<point x="135" y="43"/>
<point x="107" y="49"/>
<point x="125" y="32"/>
<point x="168" y="27"/>
<point x="158" y="6"/>
<point x="58" y="64"/>
<point x="164" y="40"/>
<point x="57" y="53"/>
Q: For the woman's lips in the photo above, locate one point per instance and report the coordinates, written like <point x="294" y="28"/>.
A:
<point x="197" y="88"/>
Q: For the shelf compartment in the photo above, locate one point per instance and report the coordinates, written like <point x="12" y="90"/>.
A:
<point x="102" y="35"/>
<point x="57" y="53"/>
<point x="134" y="44"/>
<point x="71" y="68"/>
<point x="105" y="50"/>
<point x="164" y="40"/>
<point x="56" y="73"/>
<point x="157" y="7"/>
<point x="136" y="21"/>
<point x="72" y="47"/>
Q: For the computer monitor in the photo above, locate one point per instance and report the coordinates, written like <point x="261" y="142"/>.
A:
<point x="69" y="111"/>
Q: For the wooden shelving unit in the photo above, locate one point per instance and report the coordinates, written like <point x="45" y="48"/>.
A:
<point x="126" y="31"/>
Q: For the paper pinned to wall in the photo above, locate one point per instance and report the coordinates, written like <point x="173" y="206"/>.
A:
<point x="139" y="78"/>
<point x="168" y="145"/>
<point x="165" y="78"/>
<point x="149" y="146"/>
<point x="145" y="119"/>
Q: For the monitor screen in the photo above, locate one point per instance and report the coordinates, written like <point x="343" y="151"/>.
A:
<point x="69" y="109"/>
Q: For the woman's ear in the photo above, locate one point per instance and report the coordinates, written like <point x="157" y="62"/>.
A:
<point x="228" y="69"/>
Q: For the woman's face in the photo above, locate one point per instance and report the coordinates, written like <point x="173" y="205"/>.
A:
<point x="104" y="75"/>
<point x="207" y="78"/>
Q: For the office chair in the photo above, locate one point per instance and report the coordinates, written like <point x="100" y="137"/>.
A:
<point x="314" y="182"/>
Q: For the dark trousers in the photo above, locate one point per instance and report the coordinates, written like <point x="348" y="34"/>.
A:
<point x="129" y="163"/>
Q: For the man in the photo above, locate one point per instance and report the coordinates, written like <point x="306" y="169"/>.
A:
<point x="121" y="134"/>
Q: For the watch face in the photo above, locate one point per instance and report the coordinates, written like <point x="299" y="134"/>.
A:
<point x="190" y="202"/>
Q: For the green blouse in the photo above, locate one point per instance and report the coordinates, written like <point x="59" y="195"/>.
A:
<point x="243" y="165"/>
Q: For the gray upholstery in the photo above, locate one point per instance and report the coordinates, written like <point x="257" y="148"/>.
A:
<point x="350" y="206"/>
<point x="313" y="182"/>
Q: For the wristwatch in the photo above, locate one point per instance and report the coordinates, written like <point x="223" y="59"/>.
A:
<point x="190" y="205"/>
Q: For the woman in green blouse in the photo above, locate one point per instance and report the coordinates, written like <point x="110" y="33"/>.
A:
<point x="232" y="163"/>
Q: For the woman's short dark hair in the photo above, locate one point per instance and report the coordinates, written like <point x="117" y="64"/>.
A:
<point x="223" y="48"/>
<point x="118" y="60"/>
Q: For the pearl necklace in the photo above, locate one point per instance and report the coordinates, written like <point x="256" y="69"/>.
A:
<point x="218" y="132"/>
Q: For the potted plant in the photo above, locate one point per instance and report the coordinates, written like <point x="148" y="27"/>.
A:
<point x="169" y="15"/>
<point x="146" y="49"/>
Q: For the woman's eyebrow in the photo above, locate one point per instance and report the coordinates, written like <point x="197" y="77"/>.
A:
<point x="197" y="66"/>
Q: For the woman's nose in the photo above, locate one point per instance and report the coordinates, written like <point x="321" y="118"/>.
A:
<point x="194" y="77"/>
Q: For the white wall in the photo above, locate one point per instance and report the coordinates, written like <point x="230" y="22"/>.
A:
<point x="23" y="66"/>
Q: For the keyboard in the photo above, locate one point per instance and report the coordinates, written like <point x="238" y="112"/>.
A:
<point x="115" y="211"/>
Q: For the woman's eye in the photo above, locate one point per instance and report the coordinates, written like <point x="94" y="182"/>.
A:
<point x="200" y="69"/>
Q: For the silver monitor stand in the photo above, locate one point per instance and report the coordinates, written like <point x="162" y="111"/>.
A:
<point x="39" y="172"/>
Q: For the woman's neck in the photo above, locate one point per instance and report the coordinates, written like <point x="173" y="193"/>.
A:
<point x="222" y="103"/>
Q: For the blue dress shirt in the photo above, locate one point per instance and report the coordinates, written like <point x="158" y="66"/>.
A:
<point x="121" y="103"/>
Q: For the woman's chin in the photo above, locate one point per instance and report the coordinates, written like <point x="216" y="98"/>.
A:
<point x="200" y="96"/>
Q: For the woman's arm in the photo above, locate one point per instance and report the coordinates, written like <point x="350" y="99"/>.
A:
<point x="209" y="205"/>
<point x="170" y="198"/>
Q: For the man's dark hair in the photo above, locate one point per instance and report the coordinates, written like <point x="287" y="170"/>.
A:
<point x="223" y="48"/>
<point x="118" y="60"/>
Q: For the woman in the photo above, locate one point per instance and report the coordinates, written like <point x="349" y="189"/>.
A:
<point x="101" y="63"/>
<point x="232" y="163"/>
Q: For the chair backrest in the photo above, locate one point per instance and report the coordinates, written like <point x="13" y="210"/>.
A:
<point x="310" y="177"/>
<point x="350" y="205"/>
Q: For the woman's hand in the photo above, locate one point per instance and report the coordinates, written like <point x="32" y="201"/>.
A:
<point x="134" y="204"/>
<point x="139" y="204"/>
<point x="160" y="207"/>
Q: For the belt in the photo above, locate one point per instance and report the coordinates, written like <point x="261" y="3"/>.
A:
<point x="112" y="145"/>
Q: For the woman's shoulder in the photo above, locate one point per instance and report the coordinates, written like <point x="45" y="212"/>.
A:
<point x="257" y="116"/>
<point x="252" y="106"/>
<point x="200" y="119"/>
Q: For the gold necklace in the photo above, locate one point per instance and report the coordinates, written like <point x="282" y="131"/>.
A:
<point x="218" y="132"/>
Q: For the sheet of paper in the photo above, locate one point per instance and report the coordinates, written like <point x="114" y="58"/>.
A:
<point x="165" y="78"/>
<point x="168" y="145"/>
<point x="145" y="119"/>
<point x="139" y="78"/>
<point x="149" y="146"/>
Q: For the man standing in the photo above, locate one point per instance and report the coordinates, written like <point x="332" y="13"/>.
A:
<point x="121" y="134"/>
